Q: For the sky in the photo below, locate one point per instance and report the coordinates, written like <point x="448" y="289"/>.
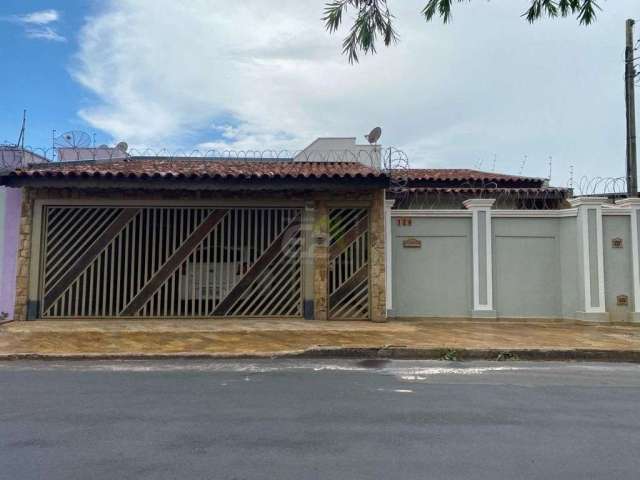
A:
<point x="486" y="91"/>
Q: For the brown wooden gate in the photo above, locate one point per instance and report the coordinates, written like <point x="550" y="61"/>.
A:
<point x="171" y="262"/>
<point x="349" y="263"/>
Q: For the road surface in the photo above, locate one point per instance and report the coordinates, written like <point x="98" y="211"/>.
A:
<point x="305" y="419"/>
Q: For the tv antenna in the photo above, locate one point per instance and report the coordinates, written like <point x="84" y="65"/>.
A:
<point x="522" y="165"/>
<point x="570" y="176"/>
<point x="22" y="130"/>
<point x="374" y="135"/>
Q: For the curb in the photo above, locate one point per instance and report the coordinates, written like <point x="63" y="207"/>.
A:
<point x="399" y="353"/>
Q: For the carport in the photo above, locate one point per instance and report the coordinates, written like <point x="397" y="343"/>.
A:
<point x="207" y="238"/>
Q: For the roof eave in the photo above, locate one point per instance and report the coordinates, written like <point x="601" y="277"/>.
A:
<point x="156" y="182"/>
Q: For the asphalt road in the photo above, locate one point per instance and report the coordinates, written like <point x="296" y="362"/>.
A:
<point x="311" y="420"/>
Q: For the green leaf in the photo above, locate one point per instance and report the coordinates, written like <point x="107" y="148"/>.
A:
<point x="373" y="19"/>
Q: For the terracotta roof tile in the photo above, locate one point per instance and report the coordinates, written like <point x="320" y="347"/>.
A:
<point x="547" y="192"/>
<point x="465" y="174"/>
<point x="144" y="167"/>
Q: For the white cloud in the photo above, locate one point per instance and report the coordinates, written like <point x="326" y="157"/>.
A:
<point x="41" y="17"/>
<point x="265" y="75"/>
<point x="36" y="24"/>
<point x="46" y="33"/>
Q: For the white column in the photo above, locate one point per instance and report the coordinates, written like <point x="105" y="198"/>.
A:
<point x="482" y="256"/>
<point x="590" y="257"/>
<point x="388" y="254"/>
<point x="634" y="222"/>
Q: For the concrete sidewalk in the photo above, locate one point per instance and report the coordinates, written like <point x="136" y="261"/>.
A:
<point x="461" y="339"/>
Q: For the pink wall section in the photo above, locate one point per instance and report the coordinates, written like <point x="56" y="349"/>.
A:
<point x="9" y="237"/>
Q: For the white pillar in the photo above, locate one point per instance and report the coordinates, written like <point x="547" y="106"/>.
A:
<point x="388" y="254"/>
<point x="590" y="258"/>
<point x="634" y="222"/>
<point x="482" y="257"/>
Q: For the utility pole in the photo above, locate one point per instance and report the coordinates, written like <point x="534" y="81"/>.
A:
<point x="630" y="102"/>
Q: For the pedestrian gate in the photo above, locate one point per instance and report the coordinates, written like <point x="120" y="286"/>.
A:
<point x="349" y="263"/>
<point x="170" y="262"/>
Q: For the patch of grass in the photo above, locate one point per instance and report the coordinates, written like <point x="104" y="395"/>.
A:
<point x="449" y="355"/>
<point x="504" y="356"/>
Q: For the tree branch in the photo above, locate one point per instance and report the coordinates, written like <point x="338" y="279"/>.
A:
<point x="374" y="19"/>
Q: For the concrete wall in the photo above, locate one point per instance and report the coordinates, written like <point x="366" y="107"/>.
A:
<point x="10" y="201"/>
<point x="617" y="266"/>
<point x="527" y="269"/>
<point x="568" y="259"/>
<point x="546" y="264"/>
<point x="436" y="277"/>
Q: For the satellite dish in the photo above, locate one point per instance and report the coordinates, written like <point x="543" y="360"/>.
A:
<point x="73" y="139"/>
<point x="122" y="146"/>
<point x="374" y="135"/>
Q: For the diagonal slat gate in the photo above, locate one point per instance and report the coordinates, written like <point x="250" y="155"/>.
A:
<point x="171" y="262"/>
<point x="349" y="263"/>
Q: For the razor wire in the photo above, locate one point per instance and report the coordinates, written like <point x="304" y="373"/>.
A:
<point x="604" y="186"/>
<point x="390" y="160"/>
<point x="13" y="156"/>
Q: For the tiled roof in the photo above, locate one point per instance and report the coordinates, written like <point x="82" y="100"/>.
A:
<point x="184" y="169"/>
<point x="538" y="192"/>
<point x="464" y="174"/>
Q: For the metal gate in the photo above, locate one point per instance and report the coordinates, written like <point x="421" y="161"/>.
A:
<point x="349" y="263"/>
<point x="171" y="262"/>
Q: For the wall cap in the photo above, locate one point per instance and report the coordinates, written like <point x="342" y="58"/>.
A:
<point x="579" y="201"/>
<point x="479" y="203"/>
<point x="629" y="202"/>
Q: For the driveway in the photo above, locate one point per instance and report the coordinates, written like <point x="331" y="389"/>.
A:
<point x="304" y="419"/>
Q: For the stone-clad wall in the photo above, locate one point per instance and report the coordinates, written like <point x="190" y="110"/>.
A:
<point x="377" y="259"/>
<point x="321" y="203"/>
<point x="321" y="259"/>
<point x="24" y="256"/>
<point x="376" y="254"/>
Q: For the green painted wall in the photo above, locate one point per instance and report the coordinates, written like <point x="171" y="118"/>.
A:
<point x="434" y="280"/>
<point x="617" y="266"/>
<point x="537" y="267"/>
<point x="569" y="272"/>
<point x="526" y="268"/>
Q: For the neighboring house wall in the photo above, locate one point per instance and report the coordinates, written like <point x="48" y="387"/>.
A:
<point x="10" y="201"/>
<point x="545" y="264"/>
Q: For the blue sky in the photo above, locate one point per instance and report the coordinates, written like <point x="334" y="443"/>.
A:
<point x="36" y="74"/>
<point x="244" y="75"/>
